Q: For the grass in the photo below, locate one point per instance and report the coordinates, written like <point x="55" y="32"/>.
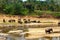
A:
<point x="54" y="14"/>
<point x="47" y="22"/>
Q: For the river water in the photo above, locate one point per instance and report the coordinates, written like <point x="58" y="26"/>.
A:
<point x="23" y="38"/>
<point x="54" y="38"/>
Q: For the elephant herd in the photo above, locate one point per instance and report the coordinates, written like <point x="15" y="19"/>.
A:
<point x="20" y="21"/>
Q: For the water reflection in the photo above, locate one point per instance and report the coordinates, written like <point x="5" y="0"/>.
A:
<point x="53" y="38"/>
<point x="56" y="38"/>
<point x="15" y="38"/>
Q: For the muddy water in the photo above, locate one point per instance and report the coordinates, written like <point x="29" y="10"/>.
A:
<point x="23" y="38"/>
<point x="54" y="38"/>
<point x="16" y="38"/>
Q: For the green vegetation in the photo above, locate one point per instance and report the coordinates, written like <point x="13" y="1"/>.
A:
<point x="29" y="7"/>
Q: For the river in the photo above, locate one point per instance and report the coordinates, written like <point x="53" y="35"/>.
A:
<point x="23" y="38"/>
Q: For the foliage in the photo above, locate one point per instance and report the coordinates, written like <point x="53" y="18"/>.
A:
<point x="18" y="7"/>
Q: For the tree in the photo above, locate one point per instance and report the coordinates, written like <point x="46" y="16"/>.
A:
<point x="20" y="10"/>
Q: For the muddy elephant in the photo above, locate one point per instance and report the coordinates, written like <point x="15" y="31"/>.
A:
<point x="49" y="30"/>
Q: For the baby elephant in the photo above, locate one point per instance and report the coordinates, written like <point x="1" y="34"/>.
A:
<point x="50" y="30"/>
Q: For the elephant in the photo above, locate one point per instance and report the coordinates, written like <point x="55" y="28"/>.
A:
<point x="49" y="30"/>
<point x="59" y="24"/>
